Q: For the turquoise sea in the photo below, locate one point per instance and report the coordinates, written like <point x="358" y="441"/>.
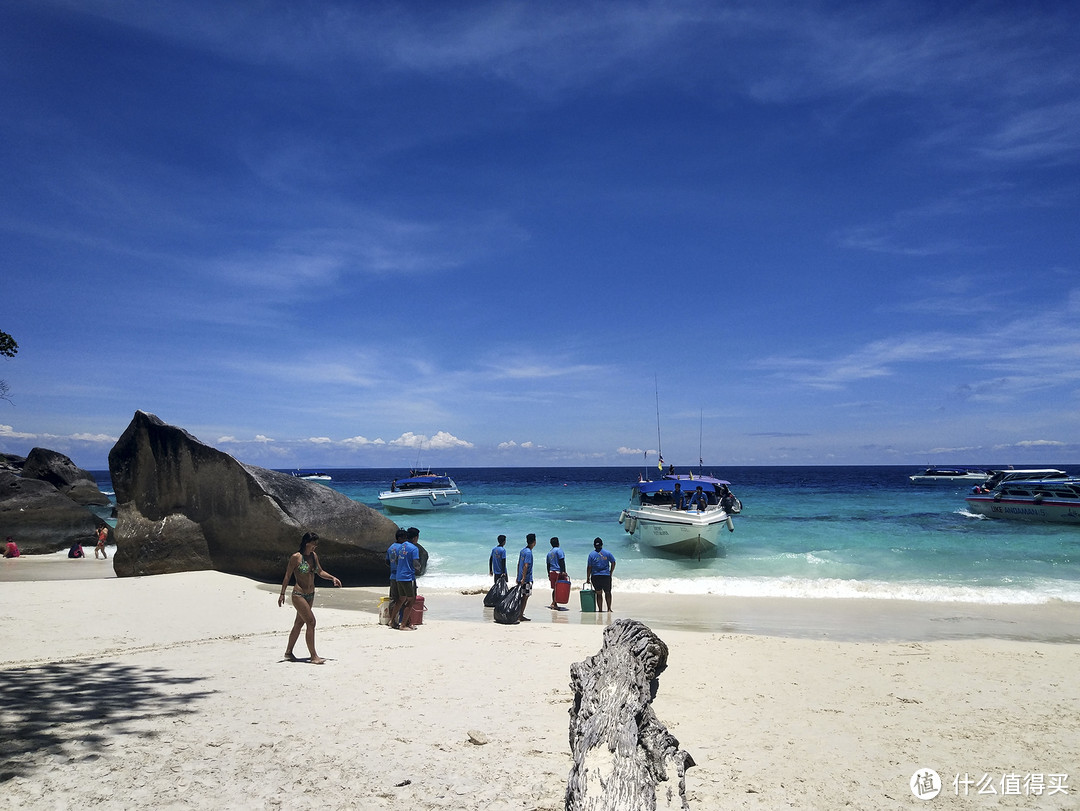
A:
<point x="804" y="532"/>
<point x="845" y="532"/>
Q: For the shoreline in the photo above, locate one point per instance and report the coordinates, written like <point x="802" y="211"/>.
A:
<point x="171" y="690"/>
<point x="856" y="619"/>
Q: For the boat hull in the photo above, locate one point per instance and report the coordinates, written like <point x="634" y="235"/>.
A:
<point x="678" y="532"/>
<point x="1046" y="510"/>
<point x="419" y="501"/>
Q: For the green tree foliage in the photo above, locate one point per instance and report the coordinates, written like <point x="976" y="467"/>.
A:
<point x="8" y="348"/>
<point x="7" y="345"/>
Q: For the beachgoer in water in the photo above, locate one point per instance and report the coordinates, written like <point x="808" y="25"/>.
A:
<point x="304" y="565"/>
<point x="11" y="550"/>
<point x="408" y="566"/>
<point x="598" y="572"/>
<point x="497" y="560"/>
<point x="525" y="574"/>
<point x="556" y="565"/>
<point x="102" y="536"/>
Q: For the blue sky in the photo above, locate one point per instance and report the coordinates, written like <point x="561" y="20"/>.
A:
<point x="330" y="233"/>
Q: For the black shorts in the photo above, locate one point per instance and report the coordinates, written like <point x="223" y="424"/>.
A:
<point x="394" y="591"/>
<point x="406" y="589"/>
<point x="602" y="582"/>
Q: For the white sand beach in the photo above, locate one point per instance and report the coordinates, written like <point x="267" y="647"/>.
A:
<point x="172" y="692"/>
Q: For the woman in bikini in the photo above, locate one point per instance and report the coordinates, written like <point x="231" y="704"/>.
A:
<point x="303" y="566"/>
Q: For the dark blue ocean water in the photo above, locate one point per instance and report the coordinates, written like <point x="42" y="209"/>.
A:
<point x="803" y="532"/>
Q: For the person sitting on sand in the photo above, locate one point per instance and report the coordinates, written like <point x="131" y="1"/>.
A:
<point x="407" y="568"/>
<point x="303" y="566"/>
<point x="102" y="536"/>
<point x="76" y="551"/>
<point x="11" y="550"/>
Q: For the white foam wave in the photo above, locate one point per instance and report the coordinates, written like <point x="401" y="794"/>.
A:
<point x="816" y="588"/>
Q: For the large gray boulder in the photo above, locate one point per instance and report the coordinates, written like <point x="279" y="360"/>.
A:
<point x="185" y="506"/>
<point x="63" y="474"/>
<point x="40" y="518"/>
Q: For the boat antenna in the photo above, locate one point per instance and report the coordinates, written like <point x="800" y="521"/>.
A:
<point x="659" y="447"/>
<point x="701" y="425"/>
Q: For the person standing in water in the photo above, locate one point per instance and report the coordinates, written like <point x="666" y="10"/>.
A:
<point x="303" y="566"/>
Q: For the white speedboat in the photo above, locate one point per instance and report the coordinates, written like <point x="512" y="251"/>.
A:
<point x="1054" y="501"/>
<point x="312" y="475"/>
<point x="950" y="475"/>
<point x="420" y="492"/>
<point x="681" y="514"/>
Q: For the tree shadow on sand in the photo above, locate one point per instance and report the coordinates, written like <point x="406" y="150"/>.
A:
<point x="79" y="706"/>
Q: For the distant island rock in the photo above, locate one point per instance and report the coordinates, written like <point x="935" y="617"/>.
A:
<point x="185" y="506"/>
<point x="44" y="500"/>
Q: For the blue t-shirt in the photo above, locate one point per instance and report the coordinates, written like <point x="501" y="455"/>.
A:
<point x="600" y="562"/>
<point x="392" y="558"/>
<point x="408" y="553"/>
<point x="525" y="562"/>
<point x="498" y="560"/>
<point x="556" y="560"/>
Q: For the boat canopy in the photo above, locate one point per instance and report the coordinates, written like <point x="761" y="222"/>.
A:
<point x="688" y="485"/>
<point x="424" y="481"/>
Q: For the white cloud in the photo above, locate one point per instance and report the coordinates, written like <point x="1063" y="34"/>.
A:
<point x="440" y="441"/>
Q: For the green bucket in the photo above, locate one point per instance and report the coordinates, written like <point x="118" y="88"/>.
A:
<point x="588" y="598"/>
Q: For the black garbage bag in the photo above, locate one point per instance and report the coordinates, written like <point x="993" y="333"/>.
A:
<point x="508" y="608"/>
<point x="496" y="593"/>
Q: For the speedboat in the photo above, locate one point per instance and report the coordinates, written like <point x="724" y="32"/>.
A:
<point x="421" y="492"/>
<point x="313" y="475"/>
<point x="950" y="475"/>
<point x="673" y="515"/>
<point x="1055" y="501"/>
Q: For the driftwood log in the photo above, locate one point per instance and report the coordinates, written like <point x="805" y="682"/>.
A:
<point x="621" y="750"/>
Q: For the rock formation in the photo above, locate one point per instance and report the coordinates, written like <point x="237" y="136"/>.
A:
<point x="184" y="506"/>
<point x="59" y="471"/>
<point x="40" y="502"/>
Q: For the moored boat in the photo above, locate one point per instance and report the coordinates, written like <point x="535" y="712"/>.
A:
<point x="681" y="514"/>
<point x="1055" y="501"/>
<point x="421" y="492"/>
<point x="315" y="475"/>
<point x="1028" y="474"/>
<point x="950" y="475"/>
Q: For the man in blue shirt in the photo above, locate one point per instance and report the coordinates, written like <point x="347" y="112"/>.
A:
<point x="598" y="572"/>
<point x="497" y="561"/>
<point x="407" y="567"/>
<point x="525" y="574"/>
<point x="556" y="566"/>
<point x="392" y="561"/>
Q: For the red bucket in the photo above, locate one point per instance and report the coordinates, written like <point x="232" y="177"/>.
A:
<point x="418" y="611"/>
<point x="562" y="592"/>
